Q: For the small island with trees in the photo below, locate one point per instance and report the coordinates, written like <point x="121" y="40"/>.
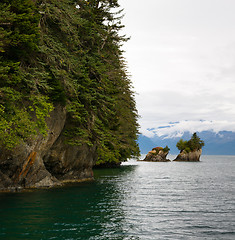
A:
<point x="190" y="151"/>
<point x="158" y="154"/>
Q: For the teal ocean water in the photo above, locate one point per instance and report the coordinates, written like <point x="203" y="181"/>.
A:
<point x="140" y="200"/>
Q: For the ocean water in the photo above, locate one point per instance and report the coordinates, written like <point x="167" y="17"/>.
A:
<point x="140" y="200"/>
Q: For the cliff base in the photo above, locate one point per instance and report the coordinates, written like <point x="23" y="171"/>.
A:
<point x="193" y="156"/>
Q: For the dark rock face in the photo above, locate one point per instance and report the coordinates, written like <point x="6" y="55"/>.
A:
<point x="189" y="157"/>
<point x="46" y="162"/>
<point x="153" y="156"/>
<point x="68" y="163"/>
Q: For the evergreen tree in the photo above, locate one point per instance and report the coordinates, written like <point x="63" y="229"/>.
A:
<point x="194" y="144"/>
<point x="181" y="145"/>
<point x="71" y="55"/>
<point x="19" y="37"/>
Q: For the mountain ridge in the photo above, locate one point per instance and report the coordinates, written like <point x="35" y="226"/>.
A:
<point x="220" y="143"/>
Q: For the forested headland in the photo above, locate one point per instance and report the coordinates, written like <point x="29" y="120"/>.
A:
<point x="63" y="59"/>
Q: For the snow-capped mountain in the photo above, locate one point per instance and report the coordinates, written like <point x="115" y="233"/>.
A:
<point x="220" y="143"/>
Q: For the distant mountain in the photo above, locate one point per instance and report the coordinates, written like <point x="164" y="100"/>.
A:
<point x="221" y="143"/>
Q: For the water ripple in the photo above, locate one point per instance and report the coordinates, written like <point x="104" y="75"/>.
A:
<point x="139" y="201"/>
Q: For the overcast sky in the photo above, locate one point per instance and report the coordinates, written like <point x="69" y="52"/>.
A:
<point x="181" y="57"/>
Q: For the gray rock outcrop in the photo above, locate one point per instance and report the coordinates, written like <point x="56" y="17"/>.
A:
<point x="46" y="162"/>
<point x="193" y="156"/>
<point x="156" y="156"/>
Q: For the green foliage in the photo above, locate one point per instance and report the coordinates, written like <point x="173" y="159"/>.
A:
<point x="14" y="128"/>
<point x="41" y="107"/>
<point x="166" y="149"/>
<point x="18" y="121"/>
<point x="181" y="144"/>
<point x="19" y="28"/>
<point x="23" y="109"/>
<point x="68" y="53"/>
<point x="195" y="143"/>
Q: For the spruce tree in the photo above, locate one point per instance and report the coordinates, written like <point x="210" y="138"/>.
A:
<point x="68" y="53"/>
<point x="19" y="34"/>
<point x="194" y="144"/>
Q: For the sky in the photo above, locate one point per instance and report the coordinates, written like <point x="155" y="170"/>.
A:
<point x="181" y="58"/>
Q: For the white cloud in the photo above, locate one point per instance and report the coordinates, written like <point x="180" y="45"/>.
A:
<point x="177" y="129"/>
<point x="181" y="58"/>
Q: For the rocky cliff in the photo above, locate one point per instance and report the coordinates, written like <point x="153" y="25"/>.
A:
<point x="193" y="156"/>
<point x="52" y="57"/>
<point x="48" y="161"/>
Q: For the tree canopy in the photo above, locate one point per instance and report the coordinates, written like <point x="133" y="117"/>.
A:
<point x="195" y="143"/>
<point x="68" y="53"/>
